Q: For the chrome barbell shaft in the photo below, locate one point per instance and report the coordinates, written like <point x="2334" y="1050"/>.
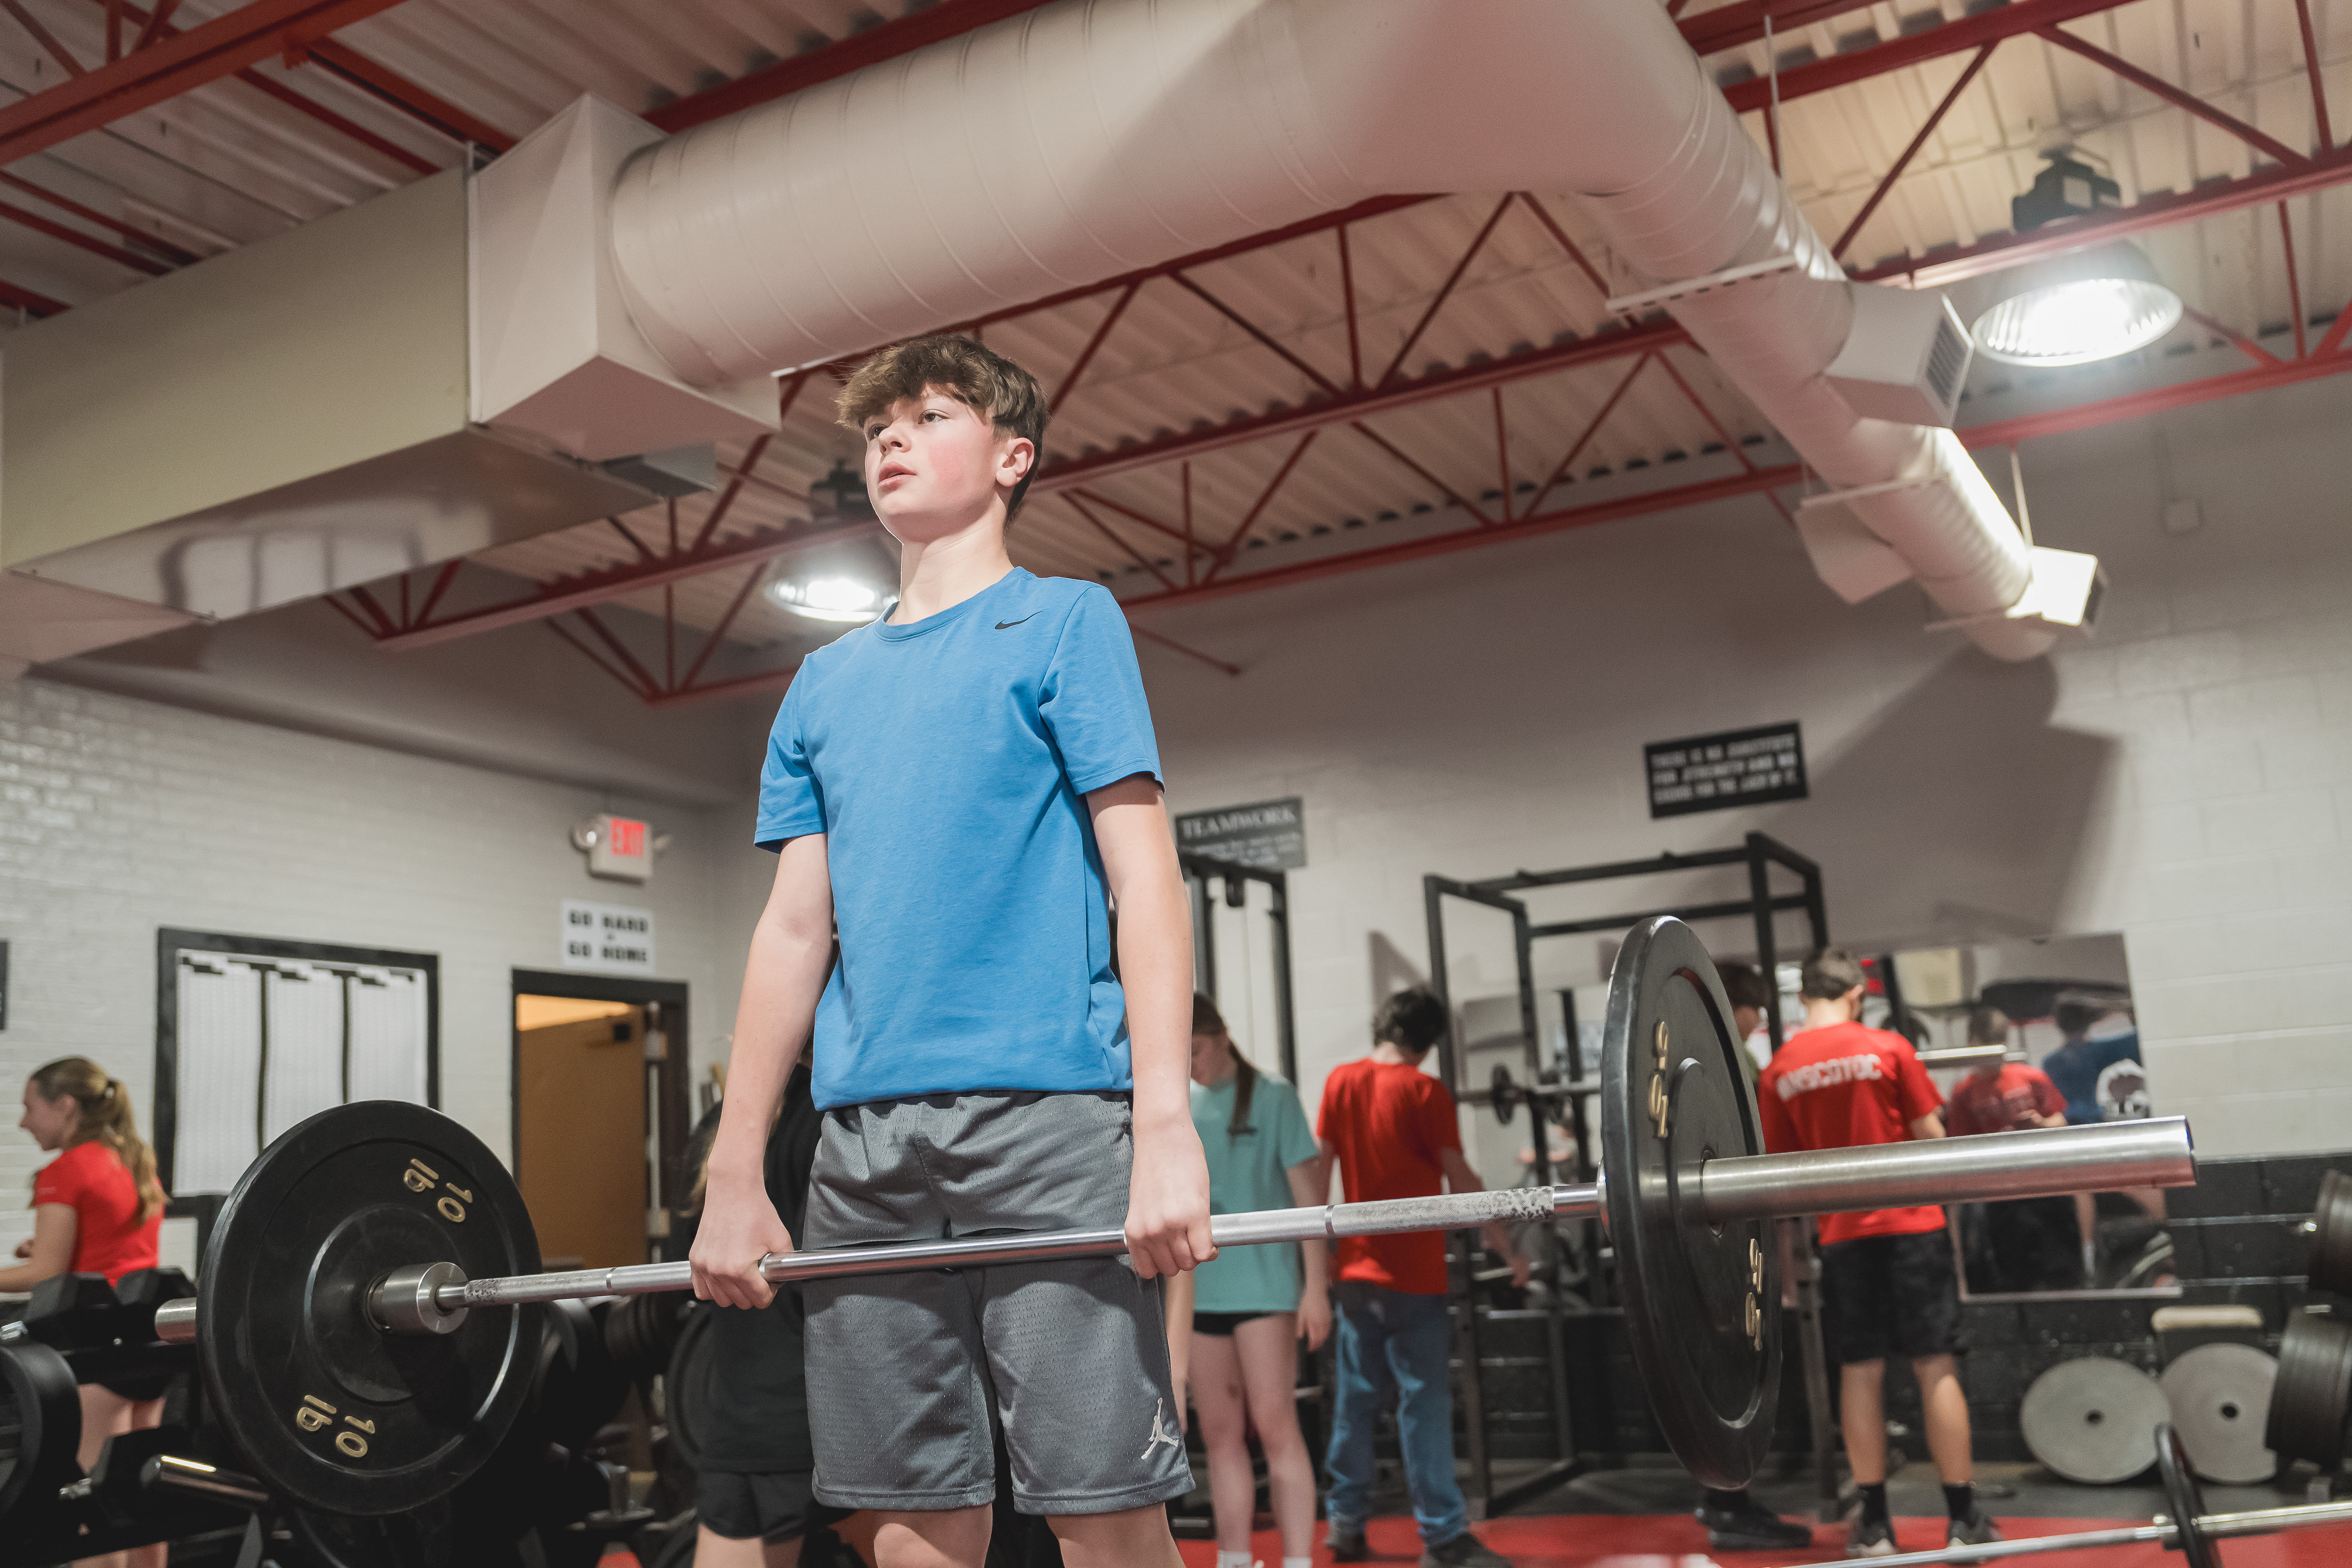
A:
<point x="2041" y="1162"/>
<point x="2216" y="1526"/>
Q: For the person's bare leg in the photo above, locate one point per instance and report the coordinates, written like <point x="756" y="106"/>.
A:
<point x="1132" y="1537"/>
<point x="857" y="1532"/>
<point x="1862" y="1413"/>
<point x="1269" y="1362"/>
<point x="1217" y="1403"/>
<point x="715" y="1550"/>
<point x="944" y="1538"/>
<point x="1945" y="1406"/>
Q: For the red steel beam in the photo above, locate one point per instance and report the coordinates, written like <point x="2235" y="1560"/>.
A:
<point x="1352" y="405"/>
<point x="1476" y="536"/>
<point x="1734" y="26"/>
<point x="2156" y="400"/>
<point x="1937" y="268"/>
<point x="2150" y="82"/>
<point x="591" y="588"/>
<point x="953" y="18"/>
<point x="403" y="94"/>
<point x="26" y="300"/>
<point x="139" y="237"/>
<point x="228" y="43"/>
<point x="1951" y="38"/>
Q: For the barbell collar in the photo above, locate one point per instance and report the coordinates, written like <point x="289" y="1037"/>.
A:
<point x="194" y="1478"/>
<point x="175" y="1322"/>
<point x="1984" y="1167"/>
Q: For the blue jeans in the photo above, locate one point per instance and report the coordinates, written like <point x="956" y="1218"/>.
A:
<point x="1390" y="1341"/>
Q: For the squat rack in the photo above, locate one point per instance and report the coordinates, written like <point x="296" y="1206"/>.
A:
<point x="1201" y="870"/>
<point x="1759" y="853"/>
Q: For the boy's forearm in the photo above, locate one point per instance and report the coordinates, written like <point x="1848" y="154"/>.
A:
<point x="1155" y="967"/>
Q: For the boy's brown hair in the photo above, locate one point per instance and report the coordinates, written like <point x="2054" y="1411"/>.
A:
<point x="985" y="382"/>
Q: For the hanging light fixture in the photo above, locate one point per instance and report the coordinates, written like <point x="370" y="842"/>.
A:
<point x="832" y="598"/>
<point x="2074" y="309"/>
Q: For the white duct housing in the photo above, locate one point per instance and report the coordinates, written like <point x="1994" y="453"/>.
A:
<point x="1093" y="137"/>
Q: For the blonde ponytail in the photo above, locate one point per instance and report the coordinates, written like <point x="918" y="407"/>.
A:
<point x="103" y="1105"/>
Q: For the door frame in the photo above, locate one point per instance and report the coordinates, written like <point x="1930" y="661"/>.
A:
<point x="669" y="996"/>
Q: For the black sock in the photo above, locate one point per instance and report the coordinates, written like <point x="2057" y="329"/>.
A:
<point x="1874" y="1505"/>
<point x="1729" y="1502"/>
<point x="1961" y="1502"/>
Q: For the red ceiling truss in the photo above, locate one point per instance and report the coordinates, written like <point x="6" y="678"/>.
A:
<point x="149" y="59"/>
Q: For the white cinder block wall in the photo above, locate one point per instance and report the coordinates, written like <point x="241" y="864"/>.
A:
<point x="119" y="816"/>
<point x="2186" y="779"/>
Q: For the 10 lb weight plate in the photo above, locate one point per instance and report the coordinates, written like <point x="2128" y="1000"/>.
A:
<point x="1702" y="1303"/>
<point x="2219" y="1395"/>
<point x="339" y="1415"/>
<point x="2092" y="1420"/>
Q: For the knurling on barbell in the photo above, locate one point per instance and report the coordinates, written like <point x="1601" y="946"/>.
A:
<point x="360" y="1204"/>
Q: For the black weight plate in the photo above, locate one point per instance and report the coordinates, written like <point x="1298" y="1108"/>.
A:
<point x="426" y="1538"/>
<point x="2331" y="1235"/>
<point x="2184" y="1498"/>
<point x="2310" y="1395"/>
<point x="686" y="1387"/>
<point x="1702" y="1303"/>
<point x="41" y="1433"/>
<point x="327" y="1409"/>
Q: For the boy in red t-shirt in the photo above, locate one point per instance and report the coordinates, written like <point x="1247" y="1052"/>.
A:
<point x="1887" y="1281"/>
<point x="1393" y="1129"/>
<point x="2028" y="1244"/>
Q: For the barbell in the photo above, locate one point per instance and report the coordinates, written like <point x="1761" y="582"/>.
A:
<point x="2186" y="1528"/>
<point x="367" y="1319"/>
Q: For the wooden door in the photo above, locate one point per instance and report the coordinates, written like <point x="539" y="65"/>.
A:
<point x="579" y="1123"/>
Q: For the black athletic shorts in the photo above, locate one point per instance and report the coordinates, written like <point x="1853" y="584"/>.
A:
<point x="776" y="1505"/>
<point x="1221" y="1325"/>
<point x="1890" y="1295"/>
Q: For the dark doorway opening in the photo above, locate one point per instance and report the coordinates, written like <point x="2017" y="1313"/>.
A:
<point x="601" y="1111"/>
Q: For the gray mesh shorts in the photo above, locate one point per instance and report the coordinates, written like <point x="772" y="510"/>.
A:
<point x="906" y="1371"/>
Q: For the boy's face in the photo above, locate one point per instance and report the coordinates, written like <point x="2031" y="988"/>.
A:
<point x="934" y="464"/>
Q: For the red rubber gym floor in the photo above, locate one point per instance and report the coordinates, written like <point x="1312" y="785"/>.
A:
<point x="1676" y="1541"/>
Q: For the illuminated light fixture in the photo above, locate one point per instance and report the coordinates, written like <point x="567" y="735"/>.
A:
<point x="2072" y="309"/>
<point x="831" y="599"/>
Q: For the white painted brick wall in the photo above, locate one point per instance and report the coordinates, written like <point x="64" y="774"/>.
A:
<point x="119" y="816"/>
<point x="2185" y="779"/>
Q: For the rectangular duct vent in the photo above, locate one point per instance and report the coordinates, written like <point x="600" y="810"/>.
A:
<point x="1905" y="359"/>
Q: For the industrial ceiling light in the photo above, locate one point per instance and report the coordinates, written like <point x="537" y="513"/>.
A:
<point x="831" y="599"/>
<point x="2076" y="308"/>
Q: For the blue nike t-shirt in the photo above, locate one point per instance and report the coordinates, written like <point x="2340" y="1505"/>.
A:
<point x="947" y="762"/>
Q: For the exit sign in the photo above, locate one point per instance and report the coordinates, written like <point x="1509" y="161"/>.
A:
<point x="623" y="849"/>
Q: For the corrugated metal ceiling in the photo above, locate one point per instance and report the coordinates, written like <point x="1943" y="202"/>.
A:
<point x="230" y="163"/>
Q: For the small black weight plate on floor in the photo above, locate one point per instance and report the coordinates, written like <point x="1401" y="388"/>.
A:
<point x="1702" y="1303"/>
<point x="329" y="1411"/>
<point x="2331" y="1235"/>
<point x="2310" y="1397"/>
<point x="41" y="1433"/>
<point x="2184" y="1499"/>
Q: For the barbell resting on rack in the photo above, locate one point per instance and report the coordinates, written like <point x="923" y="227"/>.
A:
<point x="344" y="1316"/>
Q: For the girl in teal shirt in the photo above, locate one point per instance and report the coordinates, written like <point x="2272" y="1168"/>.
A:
<point x="1250" y="1306"/>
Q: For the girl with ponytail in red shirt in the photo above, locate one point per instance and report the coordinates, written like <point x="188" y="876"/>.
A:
<point x="97" y="1209"/>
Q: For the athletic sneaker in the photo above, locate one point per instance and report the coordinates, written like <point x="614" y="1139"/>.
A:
<point x="1871" y="1539"/>
<point x="1464" y="1550"/>
<point x="1347" y="1547"/>
<point x="1750" y="1527"/>
<point x="1977" y="1530"/>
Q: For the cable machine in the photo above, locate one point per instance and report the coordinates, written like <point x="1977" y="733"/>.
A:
<point x="1561" y="1098"/>
<point x="1201" y="871"/>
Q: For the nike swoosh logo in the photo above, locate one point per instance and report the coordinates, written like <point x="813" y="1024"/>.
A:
<point x="1030" y="616"/>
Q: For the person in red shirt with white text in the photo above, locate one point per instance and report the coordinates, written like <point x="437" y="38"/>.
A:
<point x="1393" y="1129"/>
<point x="1887" y="1280"/>
<point x="97" y="1209"/>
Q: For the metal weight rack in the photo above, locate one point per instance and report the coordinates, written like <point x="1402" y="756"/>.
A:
<point x="1760" y="853"/>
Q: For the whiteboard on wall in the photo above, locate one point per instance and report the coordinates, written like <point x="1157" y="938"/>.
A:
<point x="253" y="1036"/>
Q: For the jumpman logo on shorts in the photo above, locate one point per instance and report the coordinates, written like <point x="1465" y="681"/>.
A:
<point x="1160" y="1432"/>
